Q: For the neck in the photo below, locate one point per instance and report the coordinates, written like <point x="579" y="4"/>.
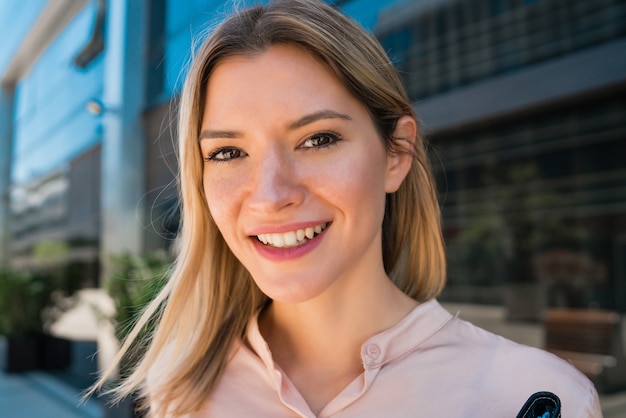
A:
<point x="318" y="343"/>
<point x="333" y="326"/>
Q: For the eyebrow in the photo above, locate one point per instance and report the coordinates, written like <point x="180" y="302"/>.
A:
<point x="314" y="117"/>
<point x="211" y="134"/>
<point x="303" y="121"/>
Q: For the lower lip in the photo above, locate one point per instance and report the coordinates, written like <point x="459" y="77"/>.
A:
<point x="287" y="254"/>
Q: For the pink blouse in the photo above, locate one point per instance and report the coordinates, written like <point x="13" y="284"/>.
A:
<point x="430" y="364"/>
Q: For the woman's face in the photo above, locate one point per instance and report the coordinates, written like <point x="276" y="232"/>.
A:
<point x="295" y="173"/>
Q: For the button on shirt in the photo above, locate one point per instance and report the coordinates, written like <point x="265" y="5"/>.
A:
<point x="430" y="364"/>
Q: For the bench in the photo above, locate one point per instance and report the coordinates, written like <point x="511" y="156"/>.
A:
<point x="592" y="341"/>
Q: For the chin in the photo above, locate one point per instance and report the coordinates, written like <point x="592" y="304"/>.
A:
<point x="299" y="294"/>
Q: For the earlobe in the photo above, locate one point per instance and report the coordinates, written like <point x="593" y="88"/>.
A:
<point x="399" y="160"/>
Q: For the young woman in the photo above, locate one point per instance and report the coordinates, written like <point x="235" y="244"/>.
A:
<point x="311" y="250"/>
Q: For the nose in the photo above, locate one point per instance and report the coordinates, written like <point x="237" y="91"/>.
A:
<point x="276" y="182"/>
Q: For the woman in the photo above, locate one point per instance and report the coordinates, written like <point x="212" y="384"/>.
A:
<point x="311" y="250"/>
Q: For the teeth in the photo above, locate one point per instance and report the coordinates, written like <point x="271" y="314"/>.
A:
<point x="291" y="238"/>
<point x="278" y="240"/>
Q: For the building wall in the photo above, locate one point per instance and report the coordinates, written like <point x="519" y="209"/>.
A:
<point x="451" y="44"/>
<point x="179" y="25"/>
<point x="83" y="215"/>
<point x="16" y="20"/>
<point x="522" y="102"/>
<point x="51" y="123"/>
<point x="53" y="193"/>
<point x="161" y="194"/>
<point x="12" y="34"/>
<point x="56" y="219"/>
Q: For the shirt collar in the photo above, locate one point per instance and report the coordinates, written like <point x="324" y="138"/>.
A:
<point x="411" y="331"/>
<point x="401" y="339"/>
<point x="415" y="328"/>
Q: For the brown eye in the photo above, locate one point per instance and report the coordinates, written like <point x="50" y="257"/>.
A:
<point x="225" y="154"/>
<point x="321" y="140"/>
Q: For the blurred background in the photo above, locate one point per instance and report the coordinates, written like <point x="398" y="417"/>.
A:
<point x="523" y="103"/>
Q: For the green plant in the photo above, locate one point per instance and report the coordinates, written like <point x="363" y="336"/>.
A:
<point x="27" y="299"/>
<point x="133" y="281"/>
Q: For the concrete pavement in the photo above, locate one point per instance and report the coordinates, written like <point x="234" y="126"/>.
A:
<point x="40" y="395"/>
<point x="51" y="395"/>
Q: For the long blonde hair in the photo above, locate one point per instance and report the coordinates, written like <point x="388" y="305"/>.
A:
<point x="210" y="296"/>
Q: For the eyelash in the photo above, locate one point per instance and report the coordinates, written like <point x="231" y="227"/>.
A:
<point x="335" y="138"/>
<point x="213" y="155"/>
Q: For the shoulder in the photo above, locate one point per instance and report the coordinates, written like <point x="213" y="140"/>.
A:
<point x="507" y="373"/>
<point x="479" y="373"/>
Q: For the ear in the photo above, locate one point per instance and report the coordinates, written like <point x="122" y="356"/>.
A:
<point x="399" y="159"/>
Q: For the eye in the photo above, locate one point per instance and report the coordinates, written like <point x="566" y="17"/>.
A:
<point x="321" y="140"/>
<point x="225" y="155"/>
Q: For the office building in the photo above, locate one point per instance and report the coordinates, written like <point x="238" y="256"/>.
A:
<point x="522" y="102"/>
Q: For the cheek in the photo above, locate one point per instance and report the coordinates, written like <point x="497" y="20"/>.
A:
<point x="362" y="174"/>
<point x="355" y="185"/>
<point x="221" y="197"/>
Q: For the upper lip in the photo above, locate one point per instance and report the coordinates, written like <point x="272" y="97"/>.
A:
<point x="283" y="228"/>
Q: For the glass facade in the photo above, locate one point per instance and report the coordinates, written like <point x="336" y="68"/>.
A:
<point x="534" y="202"/>
<point x="539" y="200"/>
<point x="50" y="104"/>
<point x="55" y="165"/>
<point x="461" y="42"/>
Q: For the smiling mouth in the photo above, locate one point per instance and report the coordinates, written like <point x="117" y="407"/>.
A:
<point x="292" y="238"/>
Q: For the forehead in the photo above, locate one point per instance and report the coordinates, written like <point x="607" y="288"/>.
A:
<point x="285" y="77"/>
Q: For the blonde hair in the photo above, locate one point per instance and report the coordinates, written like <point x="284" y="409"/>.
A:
<point x="210" y="296"/>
